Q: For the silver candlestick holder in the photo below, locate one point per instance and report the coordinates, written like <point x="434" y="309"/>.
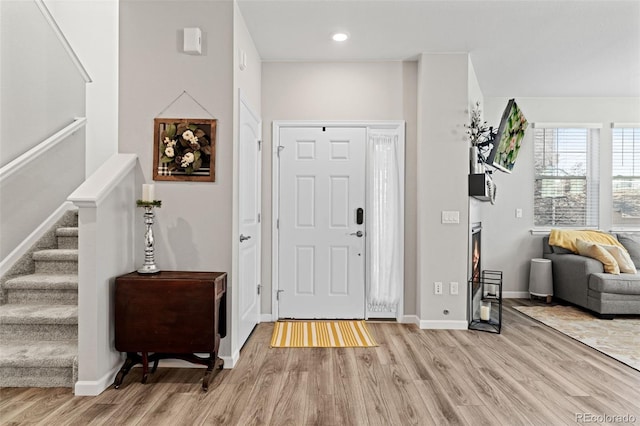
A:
<point x="149" y="266"/>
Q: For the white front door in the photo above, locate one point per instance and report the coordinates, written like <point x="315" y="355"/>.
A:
<point x="249" y="223"/>
<point x="321" y="239"/>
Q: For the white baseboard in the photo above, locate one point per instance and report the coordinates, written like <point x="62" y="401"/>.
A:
<point x="266" y="318"/>
<point x="33" y="238"/>
<point x="515" y="294"/>
<point x="410" y="319"/>
<point x="95" y="387"/>
<point x="231" y="361"/>
<point x="443" y="325"/>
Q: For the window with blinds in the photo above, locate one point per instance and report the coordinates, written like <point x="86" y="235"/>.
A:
<point x="626" y="176"/>
<point x="566" y="177"/>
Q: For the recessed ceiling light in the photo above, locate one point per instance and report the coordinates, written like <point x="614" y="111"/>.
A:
<point x="340" y="36"/>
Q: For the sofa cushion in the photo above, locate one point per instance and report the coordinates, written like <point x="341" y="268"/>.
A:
<point x="622" y="257"/>
<point x="595" y="251"/>
<point x="633" y="247"/>
<point x="620" y="284"/>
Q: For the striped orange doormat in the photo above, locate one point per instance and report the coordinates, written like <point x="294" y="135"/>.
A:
<point x="321" y="334"/>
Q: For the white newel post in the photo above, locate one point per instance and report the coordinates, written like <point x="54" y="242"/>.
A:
<point x="106" y="231"/>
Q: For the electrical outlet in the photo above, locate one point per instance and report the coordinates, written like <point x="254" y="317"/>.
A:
<point x="453" y="288"/>
<point x="518" y="213"/>
<point x="437" y="287"/>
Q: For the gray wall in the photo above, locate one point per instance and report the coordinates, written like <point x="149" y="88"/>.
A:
<point x="507" y="242"/>
<point x="442" y="156"/>
<point x="193" y="227"/>
<point x="42" y="90"/>
<point x="340" y="91"/>
<point x="28" y="197"/>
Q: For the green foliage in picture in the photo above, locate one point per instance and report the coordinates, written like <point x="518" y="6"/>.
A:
<point x="511" y="133"/>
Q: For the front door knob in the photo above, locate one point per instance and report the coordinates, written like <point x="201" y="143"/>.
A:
<point x="242" y="237"/>
<point x="358" y="234"/>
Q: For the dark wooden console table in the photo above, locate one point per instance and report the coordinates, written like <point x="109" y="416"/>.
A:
<point x="170" y="315"/>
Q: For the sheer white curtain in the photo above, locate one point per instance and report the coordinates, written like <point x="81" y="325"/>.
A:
<point x="384" y="223"/>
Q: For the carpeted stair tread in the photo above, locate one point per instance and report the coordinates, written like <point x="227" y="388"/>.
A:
<point x="38" y="354"/>
<point x="43" y="282"/>
<point x="38" y="314"/>
<point x="54" y="255"/>
<point x="67" y="232"/>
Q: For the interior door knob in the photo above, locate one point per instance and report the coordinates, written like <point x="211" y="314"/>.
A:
<point x="358" y="234"/>
<point x="242" y="237"/>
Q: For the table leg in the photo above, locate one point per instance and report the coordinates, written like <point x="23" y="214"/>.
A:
<point x="145" y="366"/>
<point x="207" y="374"/>
<point x="128" y="363"/>
<point x="549" y="299"/>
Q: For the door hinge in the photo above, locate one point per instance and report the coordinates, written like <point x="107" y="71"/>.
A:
<point x="259" y="145"/>
<point x="278" y="294"/>
<point x="259" y="217"/>
<point x="280" y="148"/>
<point x="259" y="288"/>
<point x="277" y="223"/>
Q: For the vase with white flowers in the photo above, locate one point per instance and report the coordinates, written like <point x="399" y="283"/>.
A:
<point x="481" y="136"/>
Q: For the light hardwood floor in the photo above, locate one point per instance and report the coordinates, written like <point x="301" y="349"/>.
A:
<point x="528" y="375"/>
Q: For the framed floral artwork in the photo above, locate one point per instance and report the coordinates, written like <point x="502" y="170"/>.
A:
<point x="184" y="149"/>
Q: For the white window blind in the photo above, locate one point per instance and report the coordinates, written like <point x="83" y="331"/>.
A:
<point x="626" y="176"/>
<point x="566" y="177"/>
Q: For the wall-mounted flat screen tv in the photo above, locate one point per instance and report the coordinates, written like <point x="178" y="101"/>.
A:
<point x="507" y="140"/>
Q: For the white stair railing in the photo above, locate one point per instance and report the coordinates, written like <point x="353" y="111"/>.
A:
<point x="65" y="43"/>
<point x="42" y="148"/>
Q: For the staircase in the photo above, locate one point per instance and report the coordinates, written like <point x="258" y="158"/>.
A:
<point x="39" y="317"/>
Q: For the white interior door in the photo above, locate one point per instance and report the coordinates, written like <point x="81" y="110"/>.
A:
<point x="249" y="223"/>
<point x="321" y="245"/>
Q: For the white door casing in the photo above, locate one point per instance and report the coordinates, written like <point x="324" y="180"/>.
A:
<point x="249" y="192"/>
<point x="321" y="256"/>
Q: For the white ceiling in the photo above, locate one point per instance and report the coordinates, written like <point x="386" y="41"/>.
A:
<point x="518" y="48"/>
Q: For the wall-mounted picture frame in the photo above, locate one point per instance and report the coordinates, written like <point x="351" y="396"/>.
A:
<point x="184" y="149"/>
<point x="508" y="140"/>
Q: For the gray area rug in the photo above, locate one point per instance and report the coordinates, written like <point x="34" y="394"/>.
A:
<point x="618" y="338"/>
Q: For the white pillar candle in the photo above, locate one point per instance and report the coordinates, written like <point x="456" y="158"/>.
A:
<point x="485" y="311"/>
<point x="148" y="192"/>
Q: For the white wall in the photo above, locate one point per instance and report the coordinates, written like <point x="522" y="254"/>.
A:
<point x="91" y="27"/>
<point x="442" y="249"/>
<point x="249" y="80"/>
<point x="475" y="95"/>
<point x="507" y="243"/>
<point x="337" y="91"/>
<point x="193" y="227"/>
<point x="475" y="205"/>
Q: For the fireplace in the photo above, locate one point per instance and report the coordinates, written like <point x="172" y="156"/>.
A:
<point x="475" y="256"/>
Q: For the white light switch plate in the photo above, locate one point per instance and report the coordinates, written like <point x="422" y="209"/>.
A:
<point x="450" y="216"/>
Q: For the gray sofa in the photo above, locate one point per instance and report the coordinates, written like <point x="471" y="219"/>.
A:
<point x="582" y="281"/>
